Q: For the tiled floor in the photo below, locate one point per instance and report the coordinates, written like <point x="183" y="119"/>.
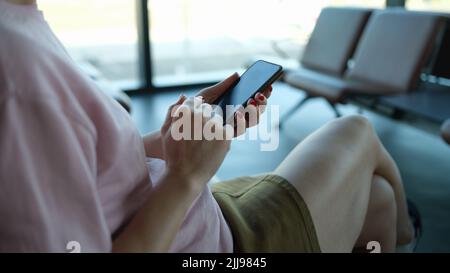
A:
<point x="423" y="158"/>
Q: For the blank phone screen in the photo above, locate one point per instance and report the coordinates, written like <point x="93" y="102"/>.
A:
<point x="261" y="73"/>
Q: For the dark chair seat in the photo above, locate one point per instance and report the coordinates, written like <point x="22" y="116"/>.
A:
<point x="317" y="83"/>
<point x="334" y="89"/>
<point x="429" y="100"/>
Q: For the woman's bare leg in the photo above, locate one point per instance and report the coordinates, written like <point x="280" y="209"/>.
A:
<point x="380" y="223"/>
<point x="387" y="168"/>
<point x="333" y="170"/>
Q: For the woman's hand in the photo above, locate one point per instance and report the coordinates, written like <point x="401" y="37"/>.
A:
<point x="153" y="143"/>
<point x="194" y="161"/>
<point x="255" y="105"/>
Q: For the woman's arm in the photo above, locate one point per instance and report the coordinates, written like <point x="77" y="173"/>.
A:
<point x="187" y="172"/>
<point x="155" y="225"/>
<point x="153" y="145"/>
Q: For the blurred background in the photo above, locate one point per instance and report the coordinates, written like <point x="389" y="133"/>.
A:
<point x="191" y="41"/>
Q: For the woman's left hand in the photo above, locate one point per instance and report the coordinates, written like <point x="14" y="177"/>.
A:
<point x="257" y="103"/>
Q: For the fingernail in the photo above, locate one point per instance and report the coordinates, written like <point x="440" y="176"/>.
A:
<point x="261" y="97"/>
<point x="253" y="102"/>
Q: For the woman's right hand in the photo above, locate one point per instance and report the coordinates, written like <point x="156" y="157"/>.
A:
<point x="193" y="162"/>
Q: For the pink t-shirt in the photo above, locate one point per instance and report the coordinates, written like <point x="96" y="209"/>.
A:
<point x="73" y="165"/>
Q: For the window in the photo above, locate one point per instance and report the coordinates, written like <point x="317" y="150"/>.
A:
<point x="429" y="5"/>
<point x="99" y="33"/>
<point x="205" y="40"/>
<point x="191" y="41"/>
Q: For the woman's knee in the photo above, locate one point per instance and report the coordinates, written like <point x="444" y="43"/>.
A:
<point x="354" y="124"/>
<point x="357" y="131"/>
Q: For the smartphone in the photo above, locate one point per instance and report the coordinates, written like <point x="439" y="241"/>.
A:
<point x="256" y="78"/>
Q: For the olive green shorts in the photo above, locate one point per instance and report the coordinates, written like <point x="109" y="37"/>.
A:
<point x="266" y="214"/>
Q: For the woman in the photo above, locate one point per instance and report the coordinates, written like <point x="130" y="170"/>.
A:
<point x="74" y="168"/>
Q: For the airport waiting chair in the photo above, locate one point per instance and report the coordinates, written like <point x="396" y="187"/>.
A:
<point x="330" y="46"/>
<point x="388" y="59"/>
<point x="334" y="39"/>
<point x="445" y="131"/>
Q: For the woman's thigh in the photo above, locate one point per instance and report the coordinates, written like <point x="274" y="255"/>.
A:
<point x="332" y="169"/>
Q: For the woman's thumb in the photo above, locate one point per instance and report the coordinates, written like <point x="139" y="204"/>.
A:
<point x="224" y="85"/>
<point x="171" y="109"/>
